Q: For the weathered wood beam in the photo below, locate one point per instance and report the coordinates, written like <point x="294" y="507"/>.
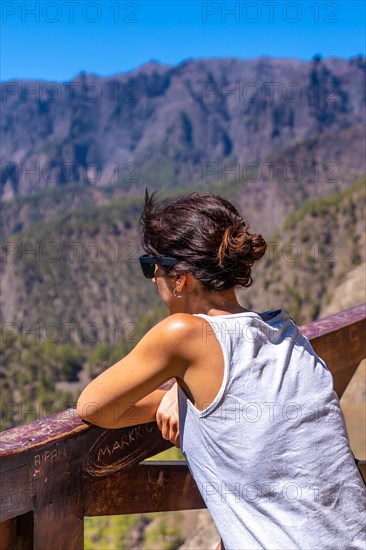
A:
<point x="37" y="468"/>
<point x="149" y="487"/>
<point x="340" y="341"/>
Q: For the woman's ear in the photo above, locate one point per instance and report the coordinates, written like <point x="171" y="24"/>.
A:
<point x="181" y="282"/>
<point x="188" y="284"/>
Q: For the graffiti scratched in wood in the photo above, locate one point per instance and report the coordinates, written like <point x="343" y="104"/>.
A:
<point x="109" y="454"/>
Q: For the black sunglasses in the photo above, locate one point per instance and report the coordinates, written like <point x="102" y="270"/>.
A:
<point x="147" y="263"/>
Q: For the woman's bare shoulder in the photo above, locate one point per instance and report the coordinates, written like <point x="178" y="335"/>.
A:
<point x="183" y="323"/>
<point x="180" y="331"/>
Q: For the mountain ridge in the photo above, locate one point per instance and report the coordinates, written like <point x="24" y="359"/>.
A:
<point x="97" y="130"/>
<point x="317" y="160"/>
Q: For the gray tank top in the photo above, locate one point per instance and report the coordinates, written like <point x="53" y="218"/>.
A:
<point x="270" y="455"/>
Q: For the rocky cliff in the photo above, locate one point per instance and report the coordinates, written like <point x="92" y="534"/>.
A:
<point x="171" y="124"/>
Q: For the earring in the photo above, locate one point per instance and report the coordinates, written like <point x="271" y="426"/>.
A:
<point x="177" y="295"/>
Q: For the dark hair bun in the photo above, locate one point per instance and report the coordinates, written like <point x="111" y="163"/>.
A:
<point x="207" y="234"/>
<point x="240" y="249"/>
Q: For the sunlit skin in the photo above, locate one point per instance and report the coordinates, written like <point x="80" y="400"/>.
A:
<point x="127" y="393"/>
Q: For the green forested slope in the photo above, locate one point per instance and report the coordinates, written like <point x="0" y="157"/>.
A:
<point x="310" y="255"/>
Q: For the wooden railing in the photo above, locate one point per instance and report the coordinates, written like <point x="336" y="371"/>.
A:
<point x="57" y="470"/>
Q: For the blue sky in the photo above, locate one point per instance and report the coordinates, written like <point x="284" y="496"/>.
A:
<point x="61" y="38"/>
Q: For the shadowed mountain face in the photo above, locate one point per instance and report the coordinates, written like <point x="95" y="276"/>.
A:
<point x="187" y="118"/>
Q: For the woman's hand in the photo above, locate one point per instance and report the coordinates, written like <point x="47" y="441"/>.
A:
<point x="167" y="416"/>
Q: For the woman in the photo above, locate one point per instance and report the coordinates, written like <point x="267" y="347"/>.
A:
<point x="259" y="422"/>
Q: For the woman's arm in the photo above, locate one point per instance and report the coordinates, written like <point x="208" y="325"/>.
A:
<point x="127" y="393"/>
<point x="139" y="413"/>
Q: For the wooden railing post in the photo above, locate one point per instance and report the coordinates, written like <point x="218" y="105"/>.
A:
<point x="58" y="527"/>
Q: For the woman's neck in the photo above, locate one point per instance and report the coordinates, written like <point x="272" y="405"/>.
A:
<point x="214" y="303"/>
